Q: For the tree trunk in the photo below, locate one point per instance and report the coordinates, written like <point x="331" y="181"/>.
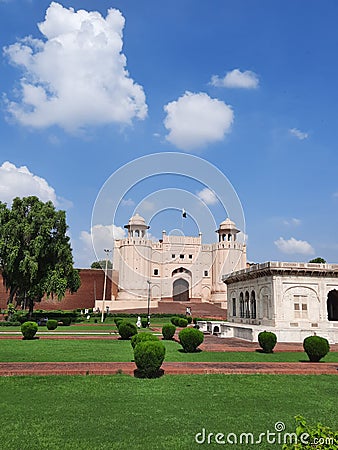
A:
<point x="30" y="303"/>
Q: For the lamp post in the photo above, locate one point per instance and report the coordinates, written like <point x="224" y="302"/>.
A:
<point x="107" y="251"/>
<point x="149" y="284"/>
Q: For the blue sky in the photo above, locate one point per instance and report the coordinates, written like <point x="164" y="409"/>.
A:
<point x="249" y="86"/>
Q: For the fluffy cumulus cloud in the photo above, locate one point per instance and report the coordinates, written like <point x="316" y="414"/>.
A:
<point x="20" y="182"/>
<point x="293" y="246"/>
<point x="208" y="196"/>
<point x="301" y="135"/>
<point x="99" y="238"/>
<point x="196" y="120"/>
<point x="76" y="75"/>
<point x="236" y="79"/>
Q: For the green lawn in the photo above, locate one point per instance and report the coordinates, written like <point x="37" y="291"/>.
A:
<point x="116" y="350"/>
<point x="125" y="413"/>
<point x="91" y="326"/>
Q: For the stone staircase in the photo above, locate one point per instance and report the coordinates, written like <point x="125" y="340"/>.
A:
<point x="202" y="310"/>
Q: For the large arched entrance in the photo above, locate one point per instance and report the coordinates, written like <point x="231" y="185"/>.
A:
<point x="181" y="290"/>
<point x="332" y="305"/>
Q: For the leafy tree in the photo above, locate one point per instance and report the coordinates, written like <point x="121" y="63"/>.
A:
<point x="101" y="264"/>
<point x="35" y="254"/>
<point x="318" y="261"/>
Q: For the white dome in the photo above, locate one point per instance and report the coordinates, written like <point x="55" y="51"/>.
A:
<point x="228" y="224"/>
<point x="137" y="221"/>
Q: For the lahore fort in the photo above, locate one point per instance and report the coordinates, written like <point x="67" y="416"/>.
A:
<point x="290" y="298"/>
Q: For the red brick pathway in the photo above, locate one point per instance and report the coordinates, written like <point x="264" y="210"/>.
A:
<point x="111" y="368"/>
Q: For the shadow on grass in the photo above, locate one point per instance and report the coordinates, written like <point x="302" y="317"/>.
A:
<point x="140" y="374"/>
<point x="198" y="350"/>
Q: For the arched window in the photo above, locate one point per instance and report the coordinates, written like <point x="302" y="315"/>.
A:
<point x="247" y="308"/>
<point x="253" y="305"/>
<point x="137" y="233"/>
<point x="234" y="307"/>
<point x="241" y="305"/>
<point x="332" y="305"/>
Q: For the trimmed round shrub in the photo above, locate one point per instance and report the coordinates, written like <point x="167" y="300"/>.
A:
<point x="189" y="319"/>
<point x="127" y="329"/>
<point x="142" y="337"/>
<point x="182" y="322"/>
<point x="168" y="331"/>
<point x="267" y="340"/>
<point x="144" y="322"/>
<point x="52" y="324"/>
<point x="117" y="321"/>
<point x="190" y="339"/>
<point x="66" y="321"/>
<point x="29" y="329"/>
<point x="149" y="356"/>
<point x="174" y="321"/>
<point x="316" y="347"/>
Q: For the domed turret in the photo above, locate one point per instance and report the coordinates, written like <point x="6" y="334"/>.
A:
<point x="136" y="226"/>
<point x="227" y="231"/>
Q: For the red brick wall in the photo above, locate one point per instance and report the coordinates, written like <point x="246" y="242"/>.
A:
<point x="92" y="284"/>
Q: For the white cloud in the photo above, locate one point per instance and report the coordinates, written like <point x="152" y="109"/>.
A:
<point x="20" y="182"/>
<point x="294" y="246"/>
<point x="292" y="222"/>
<point x="99" y="238"/>
<point x="127" y="202"/>
<point x="301" y="135"/>
<point x="195" y="120"/>
<point x="335" y="195"/>
<point x="77" y="75"/>
<point x="236" y="79"/>
<point x="208" y="196"/>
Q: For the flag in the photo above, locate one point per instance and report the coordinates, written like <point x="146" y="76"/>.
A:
<point x="184" y="213"/>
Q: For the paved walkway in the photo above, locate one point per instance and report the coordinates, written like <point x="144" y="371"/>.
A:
<point x="111" y="368"/>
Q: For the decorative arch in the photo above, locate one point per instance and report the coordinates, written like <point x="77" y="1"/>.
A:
<point x="206" y="292"/>
<point x="181" y="270"/>
<point x="301" y="302"/>
<point x="303" y="288"/>
<point x="155" y="291"/>
<point x="265" y="303"/>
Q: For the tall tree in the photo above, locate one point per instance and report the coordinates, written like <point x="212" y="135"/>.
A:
<point x="318" y="260"/>
<point x="35" y="254"/>
<point x="101" y="264"/>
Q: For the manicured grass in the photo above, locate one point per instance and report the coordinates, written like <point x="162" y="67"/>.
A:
<point x="115" y="350"/>
<point x="125" y="413"/>
<point x="91" y="326"/>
